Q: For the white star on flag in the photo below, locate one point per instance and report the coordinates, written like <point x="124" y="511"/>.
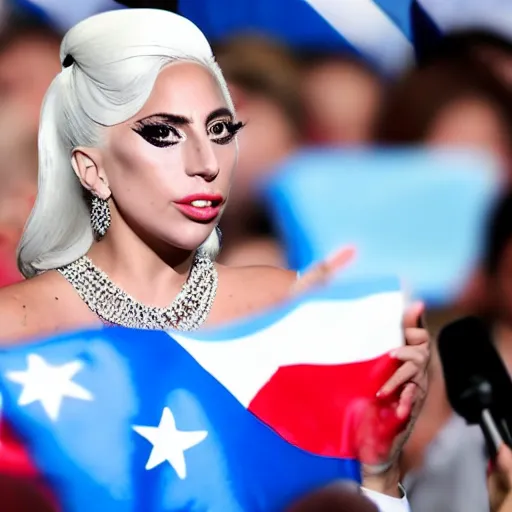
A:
<point x="169" y="443"/>
<point x="48" y="384"/>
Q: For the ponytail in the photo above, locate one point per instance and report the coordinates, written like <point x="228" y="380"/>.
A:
<point x="58" y="230"/>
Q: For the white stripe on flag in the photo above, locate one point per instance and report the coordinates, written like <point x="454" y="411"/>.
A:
<point x="369" y="30"/>
<point x="317" y="332"/>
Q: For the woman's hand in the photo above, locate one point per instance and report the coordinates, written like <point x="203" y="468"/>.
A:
<point x="409" y="383"/>
<point x="499" y="482"/>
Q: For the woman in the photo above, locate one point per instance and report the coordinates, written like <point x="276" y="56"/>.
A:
<point x="142" y="115"/>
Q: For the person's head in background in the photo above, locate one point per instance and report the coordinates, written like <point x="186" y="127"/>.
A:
<point x="449" y="103"/>
<point x="18" y="175"/>
<point x="29" y="60"/>
<point x="337" y="497"/>
<point x="263" y="78"/>
<point x="341" y="95"/>
<point x="481" y="44"/>
<point x="490" y="292"/>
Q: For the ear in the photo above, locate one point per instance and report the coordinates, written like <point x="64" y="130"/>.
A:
<point x="87" y="166"/>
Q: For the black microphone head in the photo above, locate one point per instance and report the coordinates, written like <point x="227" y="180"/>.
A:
<point x="475" y="376"/>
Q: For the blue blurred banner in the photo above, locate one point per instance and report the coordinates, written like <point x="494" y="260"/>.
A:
<point x="385" y="32"/>
<point x="414" y="213"/>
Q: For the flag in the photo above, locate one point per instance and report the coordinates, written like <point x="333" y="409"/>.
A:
<point x="420" y="214"/>
<point x="388" y="33"/>
<point x="248" y="417"/>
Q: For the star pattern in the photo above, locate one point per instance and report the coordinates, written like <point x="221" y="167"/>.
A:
<point x="48" y="384"/>
<point x="169" y="443"/>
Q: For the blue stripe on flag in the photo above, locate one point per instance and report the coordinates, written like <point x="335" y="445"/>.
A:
<point x="293" y="22"/>
<point x="399" y="13"/>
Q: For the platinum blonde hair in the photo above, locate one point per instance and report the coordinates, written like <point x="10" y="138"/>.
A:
<point x="112" y="61"/>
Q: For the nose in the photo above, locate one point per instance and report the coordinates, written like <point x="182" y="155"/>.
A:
<point x="200" y="159"/>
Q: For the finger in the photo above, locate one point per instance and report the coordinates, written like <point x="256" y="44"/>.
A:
<point x="413" y="315"/>
<point x="504" y="459"/>
<point x="419" y="355"/>
<point x="404" y="374"/>
<point x="406" y="403"/>
<point x="324" y="270"/>
<point x="416" y="336"/>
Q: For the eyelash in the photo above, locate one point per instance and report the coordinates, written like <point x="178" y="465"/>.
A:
<point x="155" y="132"/>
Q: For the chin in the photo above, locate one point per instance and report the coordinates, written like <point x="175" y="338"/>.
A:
<point x="190" y="240"/>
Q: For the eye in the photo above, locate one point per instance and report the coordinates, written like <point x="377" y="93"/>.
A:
<point x="158" y="134"/>
<point x="223" y="132"/>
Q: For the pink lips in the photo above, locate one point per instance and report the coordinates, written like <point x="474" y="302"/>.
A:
<point x="200" y="213"/>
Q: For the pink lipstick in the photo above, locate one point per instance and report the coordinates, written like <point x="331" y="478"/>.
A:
<point x="200" y="207"/>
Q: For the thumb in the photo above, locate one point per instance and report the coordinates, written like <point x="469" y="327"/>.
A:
<point x="324" y="271"/>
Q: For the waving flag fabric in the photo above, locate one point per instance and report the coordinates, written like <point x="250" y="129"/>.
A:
<point x="125" y="420"/>
<point x="418" y="213"/>
<point x="386" y="32"/>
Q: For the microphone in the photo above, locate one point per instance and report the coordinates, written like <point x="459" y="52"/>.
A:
<point x="478" y="384"/>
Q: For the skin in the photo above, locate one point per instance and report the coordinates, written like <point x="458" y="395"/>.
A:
<point x="499" y="482"/>
<point x="148" y="248"/>
<point x="341" y="101"/>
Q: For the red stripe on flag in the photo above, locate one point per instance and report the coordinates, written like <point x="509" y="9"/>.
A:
<point x="22" y="488"/>
<point x="333" y="410"/>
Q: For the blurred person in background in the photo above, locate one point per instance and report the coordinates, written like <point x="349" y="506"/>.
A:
<point x="447" y="102"/>
<point x="29" y="60"/>
<point x="341" y="95"/>
<point x="490" y="48"/>
<point x="18" y="175"/>
<point x="338" y="497"/>
<point x="263" y="78"/>
<point x="491" y="293"/>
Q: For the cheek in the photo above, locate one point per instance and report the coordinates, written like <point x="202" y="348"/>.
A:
<point x="226" y="159"/>
<point x="134" y="166"/>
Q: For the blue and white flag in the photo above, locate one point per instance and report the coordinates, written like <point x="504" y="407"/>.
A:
<point x="385" y="32"/>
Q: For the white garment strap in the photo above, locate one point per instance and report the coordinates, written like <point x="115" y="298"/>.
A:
<point x="387" y="503"/>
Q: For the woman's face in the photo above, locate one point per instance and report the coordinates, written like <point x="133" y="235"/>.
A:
<point x="170" y="167"/>
<point x="473" y="123"/>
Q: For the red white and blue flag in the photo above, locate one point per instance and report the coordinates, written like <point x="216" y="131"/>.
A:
<point x="244" y="418"/>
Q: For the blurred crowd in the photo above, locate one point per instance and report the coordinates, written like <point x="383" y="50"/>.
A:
<point x="458" y="94"/>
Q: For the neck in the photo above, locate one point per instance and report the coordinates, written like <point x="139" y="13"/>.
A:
<point x="152" y="275"/>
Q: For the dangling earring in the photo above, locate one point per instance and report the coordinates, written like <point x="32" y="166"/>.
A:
<point x="100" y="216"/>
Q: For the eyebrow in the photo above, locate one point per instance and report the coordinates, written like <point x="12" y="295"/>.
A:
<point x="182" y="120"/>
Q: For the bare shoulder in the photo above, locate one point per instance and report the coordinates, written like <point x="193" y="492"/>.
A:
<point x="35" y="308"/>
<point x="244" y="290"/>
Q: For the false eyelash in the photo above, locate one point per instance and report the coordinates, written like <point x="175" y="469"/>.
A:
<point x="143" y="128"/>
<point x="233" y="129"/>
